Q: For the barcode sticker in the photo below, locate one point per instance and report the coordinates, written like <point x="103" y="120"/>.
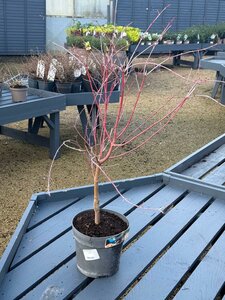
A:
<point x="91" y="254"/>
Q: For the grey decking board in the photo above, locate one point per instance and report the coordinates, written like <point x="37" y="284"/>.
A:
<point x="200" y="286"/>
<point x="62" y="222"/>
<point x="183" y="254"/>
<point x="147" y="248"/>
<point x="197" y="155"/>
<point x="40" y="271"/>
<point x="15" y="240"/>
<point x="65" y="275"/>
<point x="206" y="163"/>
<point x="83" y="191"/>
<point x="60" y="273"/>
<point x="45" y="210"/>
<point x="217" y="176"/>
<point x="44" y="261"/>
<point x="38" y="237"/>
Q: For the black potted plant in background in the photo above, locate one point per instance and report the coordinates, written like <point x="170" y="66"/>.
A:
<point x="68" y="74"/>
<point x="46" y="72"/>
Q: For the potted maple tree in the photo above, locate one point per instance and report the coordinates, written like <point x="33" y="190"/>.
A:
<point x="100" y="233"/>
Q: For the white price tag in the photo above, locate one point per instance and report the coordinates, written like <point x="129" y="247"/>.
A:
<point x="91" y="254"/>
<point x="52" y="70"/>
<point x="41" y="69"/>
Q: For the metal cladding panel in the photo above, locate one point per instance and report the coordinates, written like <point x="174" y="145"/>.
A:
<point x="22" y="27"/>
<point x="221" y="12"/>
<point x="183" y="13"/>
<point x="124" y="13"/>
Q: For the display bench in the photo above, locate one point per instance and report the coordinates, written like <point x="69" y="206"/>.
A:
<point x="177" y="51"/>
<point x="40" y="105"/>
<point x="216" y="63"/>
<point x="87" y="106"/>
<point x="205" y="165"/>
<point x="175" y="248"/>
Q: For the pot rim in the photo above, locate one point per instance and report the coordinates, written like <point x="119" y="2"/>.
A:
<point x="102" y="237"/>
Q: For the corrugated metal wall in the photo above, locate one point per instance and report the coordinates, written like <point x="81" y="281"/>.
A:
<point x="60" y="8"/>
<point x="140" y="13"/>
<point x="60" y="15"/>
<point x="22" y="27"/>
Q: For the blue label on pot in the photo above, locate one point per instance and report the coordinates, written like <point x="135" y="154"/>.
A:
<point x="116" y="239"/>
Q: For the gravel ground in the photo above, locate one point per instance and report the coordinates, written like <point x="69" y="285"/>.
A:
<point x="24" y="168"/>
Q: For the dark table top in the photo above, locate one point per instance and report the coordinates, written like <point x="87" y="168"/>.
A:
<point x="38" y="103"/>
<point x="177" y="253"/>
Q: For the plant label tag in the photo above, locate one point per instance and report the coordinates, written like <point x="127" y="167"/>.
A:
<point x="41" y="69"/>
<point x="116" y="239"/>
<point x="91" y="254"/>
<point x="52" y="70"/>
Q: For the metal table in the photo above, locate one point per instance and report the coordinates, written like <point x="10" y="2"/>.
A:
<point x="177" y="254"/>
<point x="216" y="63"/>
<point x="39" y="106"/>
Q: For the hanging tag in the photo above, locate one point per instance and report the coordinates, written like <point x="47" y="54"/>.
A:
<point x="77" y="73"/>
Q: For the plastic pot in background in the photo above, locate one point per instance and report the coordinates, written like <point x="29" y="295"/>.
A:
<point x="19" y="94"/>
<point x="87" y="86"/>
<point x="64" y="87"/>
<point x="77" y="86"/>
<point x="99" y="256"/>
<point x="33" y="83"/>
<point x="46" y="85"/>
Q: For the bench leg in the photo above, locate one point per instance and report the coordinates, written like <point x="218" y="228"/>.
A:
<point x="222" y="98"/>
<point x="217" y="84"/>
<point x="54" y="135"/>
<point x="33" y="127"/>
<point x="197" y="56"/>
<point x="176" y="59"/>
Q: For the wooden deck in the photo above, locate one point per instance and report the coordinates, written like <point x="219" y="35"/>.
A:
<point x="175" y="254"/>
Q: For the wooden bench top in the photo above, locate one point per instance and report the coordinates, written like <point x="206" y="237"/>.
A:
<point x="206" y="164"/>
<point x="216" y="63"/>
<point x="38" y="103"/>
<point x="178" y="253"/>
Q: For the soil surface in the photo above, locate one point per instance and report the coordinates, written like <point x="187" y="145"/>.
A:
<point x="110" y="224"/>
<point x="24" y="168"/>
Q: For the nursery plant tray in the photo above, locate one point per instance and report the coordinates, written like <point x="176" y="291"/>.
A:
<point x="206" y="164"/>
<point x="178" y="253"/>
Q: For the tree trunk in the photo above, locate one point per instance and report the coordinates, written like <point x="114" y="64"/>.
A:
<point x="96" y="196"/>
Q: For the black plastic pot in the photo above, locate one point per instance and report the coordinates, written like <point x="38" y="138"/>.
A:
<point x="46" y="85"/>
<point x="77" y="86"/>
<point x="33" y="83"/>
<point x="99" y="256"/>
<point x="64" y="87"/>
<point x="88" y="86"/>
